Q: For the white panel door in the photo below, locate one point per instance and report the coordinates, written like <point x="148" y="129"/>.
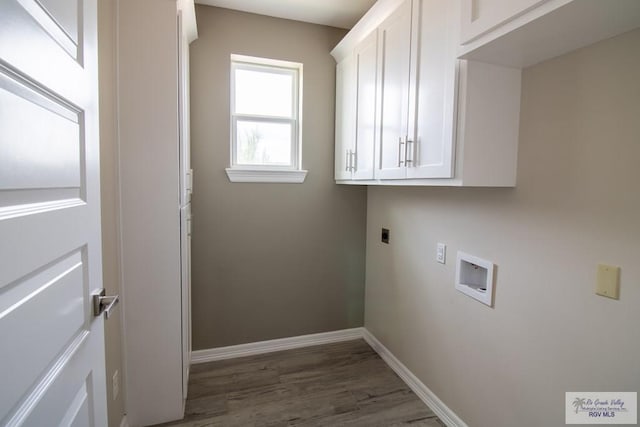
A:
<point x="394" y="66"/>
<point x="366" y="94"/>
<point x="433" y="140"/>
<point x="52" y="354"/>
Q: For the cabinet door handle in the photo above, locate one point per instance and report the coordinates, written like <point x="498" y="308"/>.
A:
<point x="408" y="160"/>
<point x="351" y="161"/>
<point x="348" y="162"/>
<point x="400" y="144"/>
<point x="354" y="161"/>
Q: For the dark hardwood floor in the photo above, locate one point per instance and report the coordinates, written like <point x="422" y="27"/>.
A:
<point x="343" y="384"/>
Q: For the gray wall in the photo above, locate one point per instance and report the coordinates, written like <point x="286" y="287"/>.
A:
<point x="270" y="260"/>
<point x="577" y="204"/>
<point x="109" y="196"/>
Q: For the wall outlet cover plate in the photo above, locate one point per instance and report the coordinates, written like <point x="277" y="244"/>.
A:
<point x="608" y="281"/>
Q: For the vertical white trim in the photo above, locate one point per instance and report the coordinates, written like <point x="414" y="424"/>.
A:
<point x="118" y="199"/>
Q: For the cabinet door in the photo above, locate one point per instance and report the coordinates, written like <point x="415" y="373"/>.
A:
<point x="366" y="57"/>
<point x="346" y="81"/>
<point x="481" y="16"/>
<point x="432" y="146"/>
<point x="394" y="66"/>
<point x="186" y="179"/>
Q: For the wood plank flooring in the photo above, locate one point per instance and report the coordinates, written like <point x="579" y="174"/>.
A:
<point x="342" y="384"/>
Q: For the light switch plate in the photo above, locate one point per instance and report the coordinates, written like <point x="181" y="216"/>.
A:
<point x="608" y="281"/>
<point x="441" y="254"/>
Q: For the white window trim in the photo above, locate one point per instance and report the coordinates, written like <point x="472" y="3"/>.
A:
<point x="292" y="173"/>
<point x="265" y="176"/>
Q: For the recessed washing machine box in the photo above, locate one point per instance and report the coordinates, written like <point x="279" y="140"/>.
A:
<point x="474" y="277"/>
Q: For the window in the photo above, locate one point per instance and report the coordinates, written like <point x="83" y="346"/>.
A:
<point x="265" y="120"/>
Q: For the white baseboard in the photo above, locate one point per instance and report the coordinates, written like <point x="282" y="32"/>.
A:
<point x="261" y="347"/>
<point x="443" y="412"/>
<point x="422" y="391"/>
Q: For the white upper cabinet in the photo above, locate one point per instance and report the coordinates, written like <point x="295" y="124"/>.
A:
<point x="432" y="142"/>
<point x="366" y="55"/>
<point x="346" y="81"/>
<point x="356" y="111"/>
<point x="394" y="65"/>
<point x="437" y="120"/>
<point x="437" y="84"/>
<point x="521" y="33"/>
<point x="418" y="91"/>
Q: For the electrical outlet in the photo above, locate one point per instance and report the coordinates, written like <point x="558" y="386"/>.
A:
<point x="441" y="254"/>
<point x="115" y="383"/>
<point x="384" y="236"/>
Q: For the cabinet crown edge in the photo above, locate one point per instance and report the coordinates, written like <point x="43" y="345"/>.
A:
<point x="365" y="26"/>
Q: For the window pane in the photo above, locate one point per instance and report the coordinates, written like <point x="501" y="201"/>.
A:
<point x="263" y="93"/>
<point x="262" y="143"/>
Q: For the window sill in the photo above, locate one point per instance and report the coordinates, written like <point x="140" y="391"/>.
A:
<point x="260" y="176"/>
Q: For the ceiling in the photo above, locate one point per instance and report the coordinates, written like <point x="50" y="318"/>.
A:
<point x="335" y="13"/>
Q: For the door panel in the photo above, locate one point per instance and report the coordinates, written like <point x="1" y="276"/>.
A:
<point x="65" y="14"/>
<point x="46" y="156"/>
<point x="366" y="98"/>
<point x="69" y="396"/>
<point x="50" y="258"/>
<point x="78" y="412"/>
<point x="395" y="42"/>
<point x="433" y="145"/>
<point x="41" y="316"/>
<point x="346" y="92"/>
<point x="30" y="240"/>
<point x="33" y="43"/>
